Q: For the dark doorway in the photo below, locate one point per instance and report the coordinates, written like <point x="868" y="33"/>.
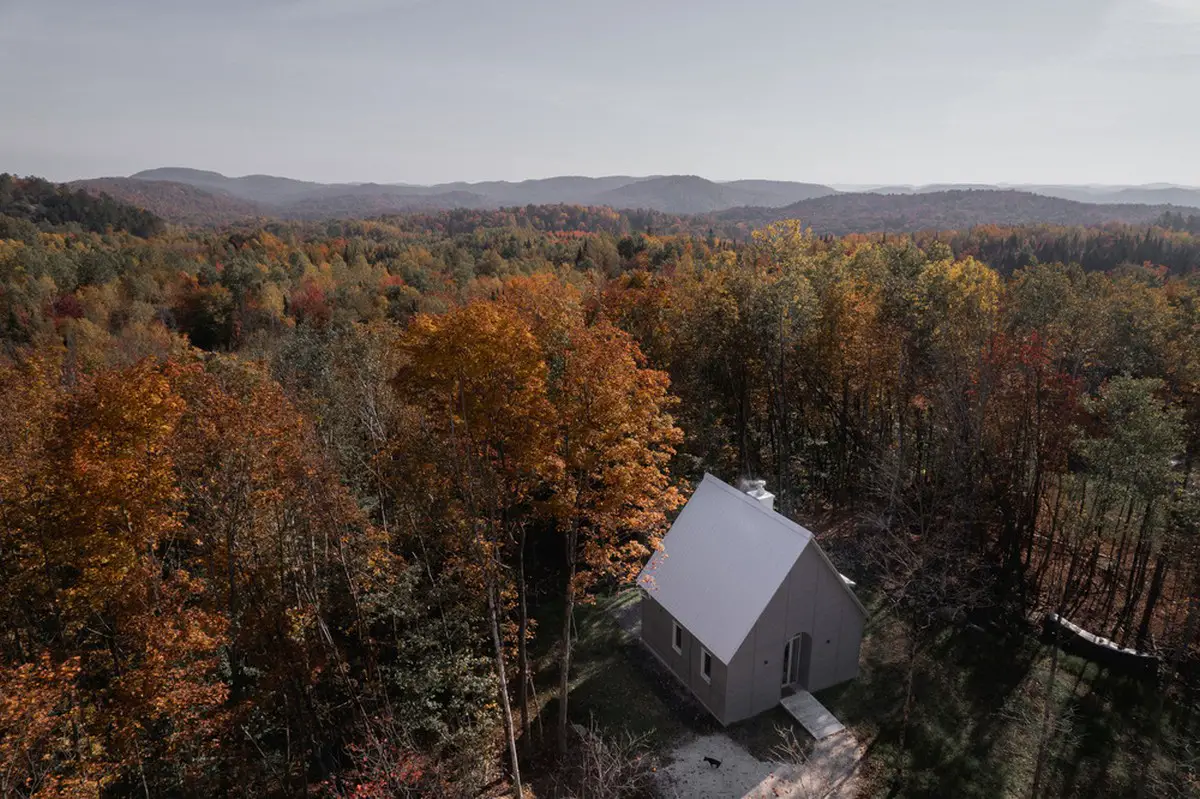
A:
<point x="804" y="659"/>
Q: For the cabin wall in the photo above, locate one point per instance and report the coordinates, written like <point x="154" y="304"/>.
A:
<point x="810" y="600"/>
<point x="767" y="634"/>
<point x="836" y="629"/>
<point x="657" y="625"/>
<point x="739" y="696"/>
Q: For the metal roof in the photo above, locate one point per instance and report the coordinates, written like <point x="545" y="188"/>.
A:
<point x="721" y="562"/>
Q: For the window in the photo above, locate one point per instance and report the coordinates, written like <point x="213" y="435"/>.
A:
<point x="677" y="638"/>
<point x="706" y="665"/>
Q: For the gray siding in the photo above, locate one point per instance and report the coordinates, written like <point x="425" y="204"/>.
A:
<point x="812" y="601"/>
<point x="739" y="699"/>
<point x="768" y="635"/>
<point x="685" y="665"/>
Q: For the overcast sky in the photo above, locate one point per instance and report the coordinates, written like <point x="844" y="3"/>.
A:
<point x="843" y="91"/>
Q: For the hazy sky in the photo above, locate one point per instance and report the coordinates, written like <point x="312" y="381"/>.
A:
<point x="844" y="91"/>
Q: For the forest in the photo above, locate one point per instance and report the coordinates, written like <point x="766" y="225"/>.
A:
<point x="321" y="508"/>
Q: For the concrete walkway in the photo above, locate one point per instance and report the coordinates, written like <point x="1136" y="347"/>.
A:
<point x="811" y="714"/>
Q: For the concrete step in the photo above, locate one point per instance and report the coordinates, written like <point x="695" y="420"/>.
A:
<point x="811" y="714"/>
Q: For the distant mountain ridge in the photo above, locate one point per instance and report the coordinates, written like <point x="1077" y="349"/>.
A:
<point x="1149" y="194"/>
<point x="944" y="210"/>
<point x="191" y="196"/>
<point x="678" y="194"/>
<point x="175" y="202"/>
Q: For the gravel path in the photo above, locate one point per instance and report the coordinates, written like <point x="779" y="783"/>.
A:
<point x="828" y="774"/>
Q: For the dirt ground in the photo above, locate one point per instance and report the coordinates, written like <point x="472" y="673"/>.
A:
<point x="828" y="774"/>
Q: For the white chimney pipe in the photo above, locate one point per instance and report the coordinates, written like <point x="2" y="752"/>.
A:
<point x="758" y="490"/>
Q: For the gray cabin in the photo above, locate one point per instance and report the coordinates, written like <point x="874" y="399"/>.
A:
<point x="742" y="606"/>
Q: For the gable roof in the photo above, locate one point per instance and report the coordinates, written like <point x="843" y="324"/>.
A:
<point x="722" y="561"/>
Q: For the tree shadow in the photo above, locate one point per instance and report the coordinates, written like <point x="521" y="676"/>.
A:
<point x="962" y="684"/>
<point x="1112" y="722"/>
<point x="618" y="685"/>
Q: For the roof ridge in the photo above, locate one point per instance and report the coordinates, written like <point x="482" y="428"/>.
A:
<point x="770" y="512"/>
<point x="796" y="526"/>
<point x="720" y="564"/>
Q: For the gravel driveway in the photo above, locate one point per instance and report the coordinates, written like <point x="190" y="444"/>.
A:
<point x="828" y="774"/>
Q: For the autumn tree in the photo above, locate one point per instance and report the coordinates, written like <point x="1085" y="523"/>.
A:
<point x="477" y="379"/>
<point x="613" y="439"/>
<point x="108" y="623"/>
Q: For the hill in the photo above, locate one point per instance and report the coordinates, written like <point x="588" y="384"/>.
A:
<point x="265" y="189"/>
<point x="677" y="194"/>
<point x="566" y="189"/>
<point x="943" y="210"/>
<point x="199" y="197"/>
<point x="773" y="193"/>
<point x="1152" y="194"/>
<point x="689" y="194"/>
<point x="175" y="202"/>
<point x="364" y="205"/>
<point x="43" y="203"/>
<point x="682" y="194"/>
<point x="1149" y="195"/>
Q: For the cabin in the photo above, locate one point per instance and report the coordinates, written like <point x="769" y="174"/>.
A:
<point x="743" y="606"/>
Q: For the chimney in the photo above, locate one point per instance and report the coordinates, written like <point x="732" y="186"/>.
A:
<point x="758" y="490"/>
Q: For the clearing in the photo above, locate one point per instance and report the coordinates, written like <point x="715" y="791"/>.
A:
<point x="973" y="730"/>
<point x="827" y="772"/>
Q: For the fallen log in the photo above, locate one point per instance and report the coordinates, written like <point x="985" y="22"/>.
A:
<point x="1075" y="640"/>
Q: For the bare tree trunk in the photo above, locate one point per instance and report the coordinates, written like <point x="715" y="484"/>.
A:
<point x="1048" y="557"/>
<point x="1137" y="576"/>
<point x="781" y="451"/>
<point x="494" y="619"/>
<point x="743" y="421"/>
<point x="522" y="633"/>
<point x="1117" y="565"/>
<point x="1086" y="582"/>
<point x="564" y="685"/>
<point x="1156" y="585"/>
<point x="844" y="435"/>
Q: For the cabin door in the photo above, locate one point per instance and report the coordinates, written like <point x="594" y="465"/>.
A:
<point x="792" y="653"/>
<point x="803" y="658"/>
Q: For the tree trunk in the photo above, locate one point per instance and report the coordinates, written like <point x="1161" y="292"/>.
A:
<point x="564" y="684"/>
<point x="781" y="451"/>
<point x="844" y="435"/>
<point x="522" y="632"/>
<point x="1137" y="576"/>
<point x="743" y="421"/>
<point x="1116" y="566"/>
<point x="1048" y="557"/>
<point x="1093" y="559"/>
<point x="494" y="619"/>
<point x="237" y="682"/>
<point x="1156" y="585"/>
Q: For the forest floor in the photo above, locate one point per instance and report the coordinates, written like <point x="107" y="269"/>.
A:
<point x="827" y="771"/>
<point x="974" y="727"/>
<point x="828" y="767"/>
<point x="978" y="715"/>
